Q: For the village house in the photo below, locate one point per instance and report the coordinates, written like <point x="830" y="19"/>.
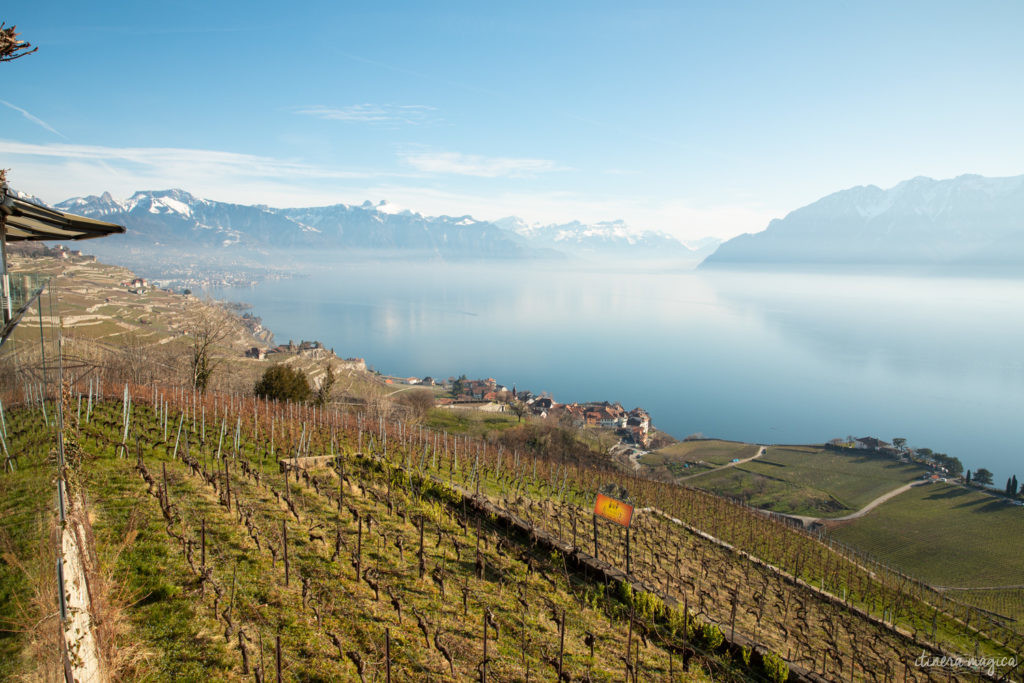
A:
<point x="541" y="406"/>
<point x="476" y="389"/>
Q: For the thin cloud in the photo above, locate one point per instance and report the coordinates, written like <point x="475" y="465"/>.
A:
<point x="59" y="170"/>
<point x="371" y="113"/>
<point x="455" y="163"/>
<point x="34" y="119"/>
<point x="174" y="160"/>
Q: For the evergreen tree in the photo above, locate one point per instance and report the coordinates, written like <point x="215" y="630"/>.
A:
<point x="968" y="476"/>
<point x="284" y="383"/>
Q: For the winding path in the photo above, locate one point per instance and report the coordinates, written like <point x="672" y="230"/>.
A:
<point x="761" y="450"/>
<point x="807" y="520"/>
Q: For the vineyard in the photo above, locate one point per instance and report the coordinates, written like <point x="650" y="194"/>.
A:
<point x="236" y="538"/>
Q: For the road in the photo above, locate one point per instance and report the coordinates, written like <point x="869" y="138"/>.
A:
<point x="807" y="521"/>
<point x="761" y="450"/>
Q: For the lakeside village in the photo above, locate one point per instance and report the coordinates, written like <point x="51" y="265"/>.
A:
<point x="632" y="426"/>
<point x="172" y="276"/>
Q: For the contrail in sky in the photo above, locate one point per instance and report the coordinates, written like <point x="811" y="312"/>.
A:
<point x="34" y="119"/>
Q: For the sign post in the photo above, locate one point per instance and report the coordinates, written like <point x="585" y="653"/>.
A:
<point x="614" y="510"/>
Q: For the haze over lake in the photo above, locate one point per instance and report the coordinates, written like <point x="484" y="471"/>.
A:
<point x="765" y="357"/>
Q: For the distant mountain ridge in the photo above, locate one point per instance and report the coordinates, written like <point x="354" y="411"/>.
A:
<point x="970" y="220"/>
<point x="597" y="238"/>
<point x="177" y="219"/>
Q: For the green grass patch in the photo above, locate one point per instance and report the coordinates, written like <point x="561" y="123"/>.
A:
<point x="810" y="480"/>
<point x="946" y="534"/>
<point x="28" y="549"/>
<point x="465" y="421"/>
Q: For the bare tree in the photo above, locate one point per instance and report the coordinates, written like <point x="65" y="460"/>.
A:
<point x="519" y="409"/>
<point x="418" y="402"/>
<point x="10" y="47"/>
<point x="207" y="326"/>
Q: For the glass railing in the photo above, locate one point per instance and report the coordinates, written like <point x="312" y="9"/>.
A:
<point x="20" y="289"/>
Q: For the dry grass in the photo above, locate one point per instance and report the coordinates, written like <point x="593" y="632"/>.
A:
<point x="30" y="613"/>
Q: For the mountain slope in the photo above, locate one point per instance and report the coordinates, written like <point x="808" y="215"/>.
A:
<point x="969" y="220"/>
<point x="175" y="218"/>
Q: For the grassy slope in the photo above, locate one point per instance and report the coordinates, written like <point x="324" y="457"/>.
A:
<point x="945" y="534"/>
<point x="949" y="535"/>
<point x="28" y="550"/>
<point x="810" y="481"/>
<point x="472" y="422"/>
<point x="166" y="634"/>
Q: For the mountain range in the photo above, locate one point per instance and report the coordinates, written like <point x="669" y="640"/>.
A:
<point x="178" y="220"/>
<point x="968" y="221"/>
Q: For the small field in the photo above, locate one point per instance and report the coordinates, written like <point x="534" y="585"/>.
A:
<point x="471" y="422"/>
<point x="710" y="451"/>
<point x="808" y="480"/>
<point x="686" y="458"/>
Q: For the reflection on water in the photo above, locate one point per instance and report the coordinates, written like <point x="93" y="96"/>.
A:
<point x="774" y="358"/>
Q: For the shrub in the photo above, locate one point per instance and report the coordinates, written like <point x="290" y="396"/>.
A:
<point x="284" y="383"/>
<point x="710" y="636"/>
<point x="775" y="668"/>
<point x="677" y="623"/>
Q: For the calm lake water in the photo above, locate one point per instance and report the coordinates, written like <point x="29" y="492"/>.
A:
<point x="771" y="358"/>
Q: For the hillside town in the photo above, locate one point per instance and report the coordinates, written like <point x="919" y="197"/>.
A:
<point x="632" y="426"/>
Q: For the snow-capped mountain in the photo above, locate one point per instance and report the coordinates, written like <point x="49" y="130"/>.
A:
<point x="968" y="220"/>
<point x="175" y="218"/>
<point x="613" y="237"/>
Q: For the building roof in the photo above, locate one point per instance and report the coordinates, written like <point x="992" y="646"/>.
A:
<point x="28" y="221"/>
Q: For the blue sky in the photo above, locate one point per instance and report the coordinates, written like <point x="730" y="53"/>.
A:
<point x="693" y="118"/>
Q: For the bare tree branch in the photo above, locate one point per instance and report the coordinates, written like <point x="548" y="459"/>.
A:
<point x="10" y="47"/>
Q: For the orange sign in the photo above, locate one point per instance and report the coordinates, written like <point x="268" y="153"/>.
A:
<point x="613" y="510"/>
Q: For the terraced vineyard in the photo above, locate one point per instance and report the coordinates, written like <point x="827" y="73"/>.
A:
<point x="247" y="536"/>
<point x="346" y="566"/>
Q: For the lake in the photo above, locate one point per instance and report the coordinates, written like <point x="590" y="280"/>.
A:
<point x="766" y="357"/>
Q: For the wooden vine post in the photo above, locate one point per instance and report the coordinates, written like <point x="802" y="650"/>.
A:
<point x="627" y="553"/>
<point x="278" y="658"/>
<point x="422" y="559"/>
<point x="483" y="669"/>
<point x="359" y="550"/>
<point x="284" y="547"/>
<point x="561" y="643"/>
